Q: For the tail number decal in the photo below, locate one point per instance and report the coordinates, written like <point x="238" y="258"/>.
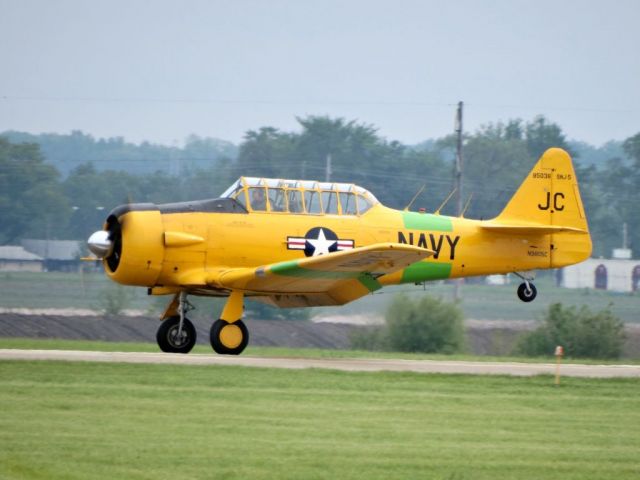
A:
<point x="556" y="203"/>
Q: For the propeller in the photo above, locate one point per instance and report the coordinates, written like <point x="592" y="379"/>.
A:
<point x="107" y="244"/>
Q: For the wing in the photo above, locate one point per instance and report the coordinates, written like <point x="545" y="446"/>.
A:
<point x="332" y="279"/>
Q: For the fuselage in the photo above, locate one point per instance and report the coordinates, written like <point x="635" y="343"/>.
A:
<point x="162" y="245"/>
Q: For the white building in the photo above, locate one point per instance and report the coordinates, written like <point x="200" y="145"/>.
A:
<point x="619" y="274"/>
<point x="58" y="255"/>
<point x="14" y="258"/>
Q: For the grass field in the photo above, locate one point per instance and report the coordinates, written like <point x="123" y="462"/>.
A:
<point x="96" y="421"/>
<point x="64" y="290"/>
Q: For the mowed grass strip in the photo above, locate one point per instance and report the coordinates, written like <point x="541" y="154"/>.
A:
<point x="96" y="421"/>
<point x="255" y="351"/>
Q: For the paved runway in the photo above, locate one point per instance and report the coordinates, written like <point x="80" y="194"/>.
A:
<point x="351" y="364"/>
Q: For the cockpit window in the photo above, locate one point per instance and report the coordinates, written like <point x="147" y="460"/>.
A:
<point x="312" y="201"/>
<point x="240" y="197"/>
<point x="231" y="191"/>
<point x="300" y="196"/>
<point x="295" y="201"/>
<point x="348" y="203"/>
<point x="257" y="199"/>
<point x="277" y="200"/>
<point x="364" y="204"/>
<point x="330" y="202"/>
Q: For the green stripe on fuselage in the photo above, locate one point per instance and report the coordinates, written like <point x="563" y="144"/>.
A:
<point x="292" y="269"/>
<point x="426" y="221"/>
<point x="424" y="271"/>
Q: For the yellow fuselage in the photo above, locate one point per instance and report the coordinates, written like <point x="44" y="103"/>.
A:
<point x="170" y="249"/>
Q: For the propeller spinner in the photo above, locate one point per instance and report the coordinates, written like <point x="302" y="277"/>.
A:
<point x="100" y="243"/>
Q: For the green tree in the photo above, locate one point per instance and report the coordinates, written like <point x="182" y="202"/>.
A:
<point x="497" y="157"/>
<point x="581" y="333"/>
<point x="631" y="198"/>
<point x="429" y="325"/>
<point x="494" y="168"/>
<point x="390" y="170"/>
<point x="631" y="147"/>
<point x="266" y="153"/>
<point x="31" y="200"/>
<point x="540" y="134"/>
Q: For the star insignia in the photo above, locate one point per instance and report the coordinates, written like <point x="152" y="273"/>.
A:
<point x="319" y="241"/>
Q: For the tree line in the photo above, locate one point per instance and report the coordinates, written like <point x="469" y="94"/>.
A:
<point x="57" y="186"/>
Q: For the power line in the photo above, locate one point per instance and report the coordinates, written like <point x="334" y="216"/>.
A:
<point x="319" y="102"/>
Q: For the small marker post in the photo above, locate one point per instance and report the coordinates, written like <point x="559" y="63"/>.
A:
<point x="559" y="353"/>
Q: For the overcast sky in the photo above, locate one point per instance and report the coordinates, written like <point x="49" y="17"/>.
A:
<point x="160" y="70"/>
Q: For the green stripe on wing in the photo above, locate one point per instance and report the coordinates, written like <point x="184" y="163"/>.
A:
<point x="292" y="269"/>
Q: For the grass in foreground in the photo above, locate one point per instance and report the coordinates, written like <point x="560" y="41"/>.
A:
<point x="57" y="344"/>
<point x="95" y="421"/>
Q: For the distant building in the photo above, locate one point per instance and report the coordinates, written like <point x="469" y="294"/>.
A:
<point x="14" y="258"/>
<point x="497" y="280"/>
<point x="58" y="255"/>
<point x="618" y="274"/>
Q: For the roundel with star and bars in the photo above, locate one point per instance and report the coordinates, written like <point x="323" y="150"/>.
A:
<point x="319" y="241"/>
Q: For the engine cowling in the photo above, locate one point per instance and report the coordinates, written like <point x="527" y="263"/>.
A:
<point x="136" y="252"/>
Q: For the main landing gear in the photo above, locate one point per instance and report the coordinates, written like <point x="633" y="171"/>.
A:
<point x="176" y="333"/>
<point x="229" y="335"/>
<point x="527" y="290"/>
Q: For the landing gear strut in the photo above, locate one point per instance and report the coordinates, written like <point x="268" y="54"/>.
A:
<point x="526" y="291"/>
<point x="176" y="333"/>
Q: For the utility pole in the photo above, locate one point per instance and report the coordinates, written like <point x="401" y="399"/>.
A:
<point x="458" y="183"/>
<point x="458" y="179"/>
<point x="327" y="172"/>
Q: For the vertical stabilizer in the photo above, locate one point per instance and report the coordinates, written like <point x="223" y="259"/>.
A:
<point x="550" y="196"/>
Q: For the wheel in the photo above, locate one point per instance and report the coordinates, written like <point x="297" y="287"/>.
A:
<point x="229" y="338"/>
<point x="527" y="294"/>
<point x="168" y="339"/>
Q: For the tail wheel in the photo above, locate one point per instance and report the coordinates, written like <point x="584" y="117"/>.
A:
<point x="172" y="340"/>
<point x="527" y="292"/>
<point x="229" y="338"/>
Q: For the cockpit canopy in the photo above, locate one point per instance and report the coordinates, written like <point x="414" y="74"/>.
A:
<point x="300" y="196"/>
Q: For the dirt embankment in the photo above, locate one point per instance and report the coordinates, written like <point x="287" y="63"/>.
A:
<point x="143" y="329"/>
<point x="483" y="337"/>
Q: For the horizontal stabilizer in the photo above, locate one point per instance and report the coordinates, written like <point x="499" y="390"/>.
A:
<point x="531" y="229"/>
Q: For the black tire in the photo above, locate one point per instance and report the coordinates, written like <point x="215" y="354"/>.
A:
<point x="167" y="336"/>
<point x="239" y="337"/>
<point x="527" y="294"/>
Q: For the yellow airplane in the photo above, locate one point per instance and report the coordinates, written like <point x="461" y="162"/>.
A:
<point x="295" y="243"/>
